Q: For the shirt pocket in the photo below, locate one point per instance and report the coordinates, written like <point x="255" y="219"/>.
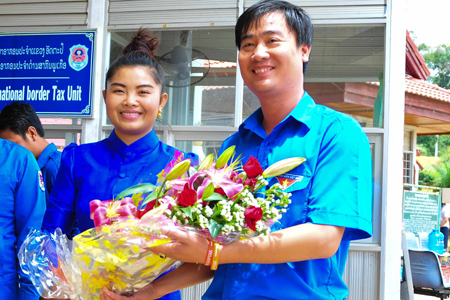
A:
<point x="294" y="182"/>
<point x="298" y="186"/>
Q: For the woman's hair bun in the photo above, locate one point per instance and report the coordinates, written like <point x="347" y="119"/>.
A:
<point x="144" y="42"/>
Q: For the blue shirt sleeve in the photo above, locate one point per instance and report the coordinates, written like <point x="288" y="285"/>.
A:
<point x="61" y="208"/>
<point x="51" y="170"/>
<point x="29" y="211"/>
<point x="341" y="187"/>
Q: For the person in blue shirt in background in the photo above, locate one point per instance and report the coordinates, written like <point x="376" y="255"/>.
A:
<point x="22" y="209"/>
<point x="20" y="124"/>
<point x="132" y="154"/>
<point x="331" y="191"/>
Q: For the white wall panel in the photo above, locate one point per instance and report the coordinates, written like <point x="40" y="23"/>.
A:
<point x="171" y="14"/>
<point x="44" y="15"/>
<point x="362" y="275"/>
<point x="322" y="11"/>
<point x="36" y="1"/>
<point x="195" y="292"/>
<point x="324" y="3"/>
<point x="43" y="8"/>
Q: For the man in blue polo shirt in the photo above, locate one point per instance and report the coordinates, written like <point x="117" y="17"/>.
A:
<point x="331" y="191"/>
<point x="22" y="209"/>
<point x="19" y="123"/>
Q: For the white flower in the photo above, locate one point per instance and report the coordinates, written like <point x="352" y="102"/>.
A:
<point x="208" y="211"/>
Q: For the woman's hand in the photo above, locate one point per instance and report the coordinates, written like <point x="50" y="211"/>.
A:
<point x="146" y="293"/>
<point x="186" y="246"/>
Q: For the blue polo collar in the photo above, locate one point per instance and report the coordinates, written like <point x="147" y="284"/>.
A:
<point x="46" y="154"/>
<point x="303" y="113"/>
<point x="147" y="143"/>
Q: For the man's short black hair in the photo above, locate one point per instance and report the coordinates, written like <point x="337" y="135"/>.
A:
<point x="297" y="21"/>
<point x="18" y="117"/>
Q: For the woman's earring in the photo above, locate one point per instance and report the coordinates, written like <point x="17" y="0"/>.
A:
<point x="159" y="113"/>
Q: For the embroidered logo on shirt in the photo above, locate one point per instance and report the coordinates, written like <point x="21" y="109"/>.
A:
<point x="41" y="181"/>
<point x="286" y="180"/>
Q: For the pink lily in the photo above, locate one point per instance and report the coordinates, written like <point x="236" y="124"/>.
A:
<point x="104" y="212"/>
<point x="220" y="178"/>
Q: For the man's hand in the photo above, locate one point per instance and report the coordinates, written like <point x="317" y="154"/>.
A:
<point x="186" y="246"/>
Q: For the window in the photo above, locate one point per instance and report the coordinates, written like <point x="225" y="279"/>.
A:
<point x="200" y="74"/>
<point x="408" y="167"/>
<point x="344" y="72"/>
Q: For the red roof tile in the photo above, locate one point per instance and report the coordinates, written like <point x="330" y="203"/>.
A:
<point x="423" y="88"/>
<point x="426" y="89"/>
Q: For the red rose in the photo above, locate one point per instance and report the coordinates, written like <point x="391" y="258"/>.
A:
<point x="250" y="182"/>
<point x="187" y="197"/>
<point x="252" y="215"/>
<point x="149" y="207"/>
<point x="220" y="191"/>
<point x="252" y="167"/>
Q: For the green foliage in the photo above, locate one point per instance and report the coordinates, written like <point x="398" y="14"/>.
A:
<point x="427" y="177"/>
<point x="438" y="176"/>
<point x="426" y="143"/>
<point x="438" y="60"/>
<point x="443" y="172"/>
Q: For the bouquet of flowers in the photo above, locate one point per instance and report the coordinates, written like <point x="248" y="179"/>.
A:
<point x="221" y="200"/>
<point x="224" y="201"/>
<point x="115" y="255"/>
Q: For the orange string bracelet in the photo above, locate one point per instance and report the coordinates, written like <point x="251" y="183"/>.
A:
<point x="209" y="253"/>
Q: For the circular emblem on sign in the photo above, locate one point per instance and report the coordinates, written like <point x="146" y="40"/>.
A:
<point x="78" y="57"/>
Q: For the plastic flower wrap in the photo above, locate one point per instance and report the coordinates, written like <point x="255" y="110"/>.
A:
<point x="115" y="255"/>
<point x="224" y="200"/>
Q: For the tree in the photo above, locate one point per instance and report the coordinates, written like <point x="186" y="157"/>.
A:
<point x="437" y="175"/>
<point x="443" y="172"/>
<point x="427" y="143"/>
<point x="438" y="60"/>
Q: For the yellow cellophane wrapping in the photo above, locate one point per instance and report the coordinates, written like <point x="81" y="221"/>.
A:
<point x="117" y="256"/>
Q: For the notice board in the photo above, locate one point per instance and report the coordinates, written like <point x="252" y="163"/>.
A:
<point x="52" y="71"/>
<point x="420" y="211"/>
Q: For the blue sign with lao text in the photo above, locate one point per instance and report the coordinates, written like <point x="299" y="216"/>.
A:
<point x="52" y="71"/>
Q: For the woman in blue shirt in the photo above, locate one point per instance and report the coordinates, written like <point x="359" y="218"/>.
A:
<point x="132" y="154"/>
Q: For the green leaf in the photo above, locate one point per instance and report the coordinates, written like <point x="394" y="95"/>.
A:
<point x="187" y="211"/>
<point x="214" y="228"/>
<point x="215" y="197"/>
<point x="209" y="191"/>
<point x="149" y="198"/>
<point x="144" y="188"/>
